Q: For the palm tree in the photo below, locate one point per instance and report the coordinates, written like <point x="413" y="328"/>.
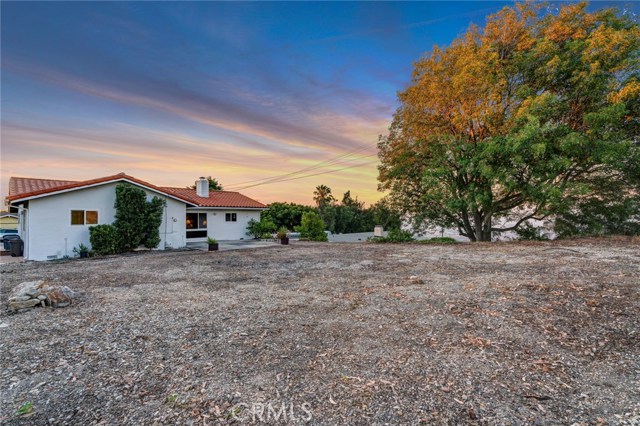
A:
<point x="322" y="195"/>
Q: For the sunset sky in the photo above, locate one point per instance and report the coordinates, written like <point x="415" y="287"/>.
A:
<point x="244" y="92"/>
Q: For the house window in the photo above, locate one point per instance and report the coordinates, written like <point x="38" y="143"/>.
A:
<point x="91" y="217"/>
<point x="231" y="217"/>
<point x="77" y="217"/>
<point x="196" y="225"/>
<point x="84" y="217"/>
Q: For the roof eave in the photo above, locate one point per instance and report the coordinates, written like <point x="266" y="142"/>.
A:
<point x="227" y="208"/>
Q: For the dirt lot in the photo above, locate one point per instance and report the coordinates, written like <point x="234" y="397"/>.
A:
<point x="510" y="333"/>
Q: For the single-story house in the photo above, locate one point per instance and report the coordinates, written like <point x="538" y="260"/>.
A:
<point x="55" y="216"/>
<point x="8" y="220"/>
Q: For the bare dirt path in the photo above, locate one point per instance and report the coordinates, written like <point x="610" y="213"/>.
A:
<point x="510" y="333"/>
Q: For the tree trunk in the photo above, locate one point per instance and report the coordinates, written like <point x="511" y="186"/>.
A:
<point x="477" y="222"/>
<point x="479" y="231"/>
<point x="467" y="226"/>
<point x="482" y="227"/>
<point x="486" y="232"/>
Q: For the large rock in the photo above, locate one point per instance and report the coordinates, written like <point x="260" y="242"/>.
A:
<point x="30" y="294"/>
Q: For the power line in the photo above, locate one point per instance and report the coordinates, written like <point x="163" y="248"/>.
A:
<point x="308" y="168"/>
<point x="310" y="175"/>
<point x="289" y="176"/>
<point x="331" y="161"/>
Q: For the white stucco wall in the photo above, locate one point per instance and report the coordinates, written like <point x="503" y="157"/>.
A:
<point x="220" y="229"/>
<point x="50" y="233"/>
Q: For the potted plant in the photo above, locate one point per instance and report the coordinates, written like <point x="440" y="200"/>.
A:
<point x="213" y="244"/>
<point x="81" y="250"/>
<point x="282" y="235"/>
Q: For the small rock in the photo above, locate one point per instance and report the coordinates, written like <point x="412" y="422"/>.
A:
<point x="14" y="306"/>
<point x="4" y="325"/>
<point x="19" y="298"/>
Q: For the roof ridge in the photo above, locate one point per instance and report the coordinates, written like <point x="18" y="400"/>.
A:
<point x="54" y="180"/>
<point x="191" y="189"/>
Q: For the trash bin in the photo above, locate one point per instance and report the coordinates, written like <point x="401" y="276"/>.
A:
<point x="6" y="241"/>
<point x="17" y="247"/>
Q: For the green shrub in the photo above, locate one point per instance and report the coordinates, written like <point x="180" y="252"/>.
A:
<point x="259" y="229"/>
<point x="153" y="220"/>
<point x="254" y="229"/>
<point x="399" y="236"/>
<point x="394" y="236"/>
<point x="288" y="215"/>
<point x="129" y="223"/>
<point x="137" y="220"/>
<point x="312" y="227"/>
<point x="282" y="233"/>
<point x="438" y="240"/>
<point x="103" y="239"/>
<point x="81" y="248"/>
<point x="268" y="226"/>
<point x="137" y="223"/>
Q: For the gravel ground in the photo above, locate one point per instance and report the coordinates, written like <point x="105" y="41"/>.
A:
<point x="504" y="333"/>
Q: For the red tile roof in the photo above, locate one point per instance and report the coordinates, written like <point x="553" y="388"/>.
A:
<point x="20" y="185"/>
<point x="35" y="187"/>
<point x="216" y="198"/>
<point x="21" y="188"/>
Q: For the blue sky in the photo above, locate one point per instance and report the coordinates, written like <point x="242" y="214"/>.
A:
<point x="170" y="91"/>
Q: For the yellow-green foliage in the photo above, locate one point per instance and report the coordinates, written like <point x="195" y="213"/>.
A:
<point x="524" y="117"/>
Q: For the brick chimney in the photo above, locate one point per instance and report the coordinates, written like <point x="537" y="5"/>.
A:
<point x="202" y="187"/>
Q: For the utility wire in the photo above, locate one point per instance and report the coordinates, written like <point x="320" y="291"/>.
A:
<point x="306" y="169"/>
<point x="288" y="176"/>
<point x="309" y="175"/>
<point x="331" y="161"/>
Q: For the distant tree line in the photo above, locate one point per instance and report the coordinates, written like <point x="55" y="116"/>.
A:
<point x="347" y="216"/>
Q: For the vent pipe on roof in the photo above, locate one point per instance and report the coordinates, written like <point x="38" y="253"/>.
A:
<point x="202" y="187"/>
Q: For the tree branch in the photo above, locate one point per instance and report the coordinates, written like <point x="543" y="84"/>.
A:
<point x="527" y="217"/>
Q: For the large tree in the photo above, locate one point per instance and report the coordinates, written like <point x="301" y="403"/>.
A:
<point x="519" y="120"/>
<point x="285" y="215"/>
<point x="351" y="216"/>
